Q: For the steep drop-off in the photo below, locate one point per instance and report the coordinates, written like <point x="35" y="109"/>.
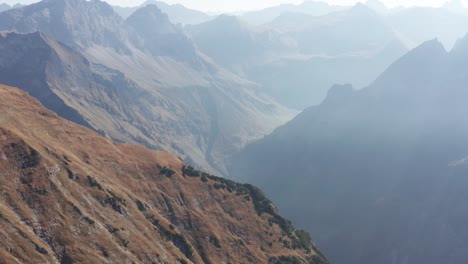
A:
<point x="70" y="196"/>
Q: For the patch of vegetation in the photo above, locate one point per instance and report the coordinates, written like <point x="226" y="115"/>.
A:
<point x="141" y="206"/>
<point x="204" y="178"/>
<point x="215" y="242"/>
<point x="302" y="240"/>
<point x="76" y="209"/>
<point x="112" y="229"/>
<point x="40" y="191"/>
<point x="261" y="203"/>
<point x="93" y="183"/>
<point x="125" y="243"/>
<point x="285" y="260"/>
<point x="117" y="198"/>
<point x="296" y="260"/>
<point x="317" y="259"/>
<point x="89" y="220"/>
<point x="72" y="175"/>
<point x="190" y="171"/>
<point x="66" y="158"/>
<point x="115" y="201"/>
<point x="168" y="172"/>
<point x="40" y="249"/>
<point x="251" y="193"/>
<point x="183" y="261"/>
<point x="219" y="186"/>
<point x="177" y="239"/>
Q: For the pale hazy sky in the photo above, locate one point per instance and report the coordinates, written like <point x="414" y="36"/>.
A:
<point x="242" y="5"/>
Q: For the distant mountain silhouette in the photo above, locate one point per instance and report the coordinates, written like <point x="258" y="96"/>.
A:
<point x="297" y="57"/>
<point x="235" y="44"/>
<point x="420" y="24"/>
<point x="309" y="7"/>
<point x="380" y="170"/>
<point x="177" y="13"/>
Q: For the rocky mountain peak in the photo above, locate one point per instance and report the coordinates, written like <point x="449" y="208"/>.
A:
<point x="77" y="23"/>
<point x="161" y="37"/>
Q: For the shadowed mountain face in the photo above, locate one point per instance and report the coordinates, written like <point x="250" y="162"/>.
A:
<point x="150" y="84"/>
<point x="71" y="196"/>
<point x="297" y="57"/>
<point x="177" y="13"/>
<point x="382" y="167"/>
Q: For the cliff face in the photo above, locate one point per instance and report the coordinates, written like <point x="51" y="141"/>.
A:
<point x="71" y="196"/>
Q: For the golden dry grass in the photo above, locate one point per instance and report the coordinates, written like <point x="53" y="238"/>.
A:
<point x="126" y="211"/>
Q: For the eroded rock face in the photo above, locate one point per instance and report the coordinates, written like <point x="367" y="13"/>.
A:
<point x="70" y="196"/>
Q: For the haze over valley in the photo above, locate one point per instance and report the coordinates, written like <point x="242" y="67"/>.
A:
<point x="305" y="132"/>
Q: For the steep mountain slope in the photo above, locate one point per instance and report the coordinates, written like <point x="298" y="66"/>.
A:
<point x="85" y="93"/>
<point x="383" y="167"/>
<point x="309" y="7"/>
<point x="176" y="12"/>
<point x="179" y="100"/>
<point x="297" y="57"/>
<point x="71" y="196"/>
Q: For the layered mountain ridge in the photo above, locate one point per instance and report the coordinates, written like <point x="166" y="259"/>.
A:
<point x="297" y="57"/>
<point x="177" y="13"/>
<point x="388" y="158"/>
<point x="178" y="99"/>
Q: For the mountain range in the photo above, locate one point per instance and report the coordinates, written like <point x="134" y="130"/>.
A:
<point x="4" y="7"/>
<point x="163" y="94"/>
<point x="177" y="13"/>
<point x="297" y="57"/>
<point x="383" y="167"/>
<point x="122" y="117"/>
<point x="309" y="7"/>
<point x="72" y="196"/>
